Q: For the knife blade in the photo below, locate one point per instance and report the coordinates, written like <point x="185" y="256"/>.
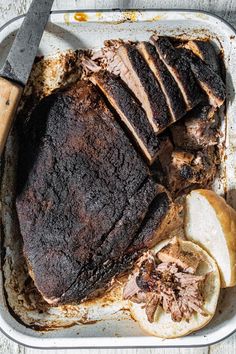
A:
<point x="17" y="67"/>
<point x="20" y="59"/>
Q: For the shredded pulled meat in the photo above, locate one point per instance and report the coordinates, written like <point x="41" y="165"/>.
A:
<point x="105" y="58"/>
<point x="168" y="285"/>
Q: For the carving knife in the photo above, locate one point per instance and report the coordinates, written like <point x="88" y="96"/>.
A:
<point x="17" y="67"/>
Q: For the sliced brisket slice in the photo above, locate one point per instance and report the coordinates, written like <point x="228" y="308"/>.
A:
<point x="210" y="82"/>
<point x="205" y="51"/>
<point x="161" y="219"/>
<point x="168" y="85"/>
<point x="130" y="112"/>
<point x="142" y="82"/>
<point x="180" y="70"/>
<point x="83" y="195"/>
<point x="198" y="129"/>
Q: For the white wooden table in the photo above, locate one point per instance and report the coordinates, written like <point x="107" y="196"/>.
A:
<point x="224" y="8"/>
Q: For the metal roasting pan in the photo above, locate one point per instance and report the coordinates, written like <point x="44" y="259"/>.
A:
<point x="64" y="31"/>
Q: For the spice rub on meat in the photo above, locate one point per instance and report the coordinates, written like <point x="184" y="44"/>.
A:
<point x="84" y="196"/>
<point x="185" y="169"/>
<point x="129" y="112"/>
<point x="205" y="51"/>
<point x="142" y="82"/>
<point x="168" y="280"/>
<point x="180" y="69"/>
<point x="199" y="128"/>
<point x="210" y="82"/>
<point x="168" y="85"/>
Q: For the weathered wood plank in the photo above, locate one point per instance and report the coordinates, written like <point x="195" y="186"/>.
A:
<point x="224" y="8"/>
<point x="9" y="347"/>
<point x="124" y="351"/>
<point x="227" y="346"/>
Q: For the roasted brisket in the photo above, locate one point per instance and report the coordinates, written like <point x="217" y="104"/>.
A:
<point x="159" y="222"/>
<point x="180" y="70"/>
<point x="84" y="196"/>
<point x="198" y="129"/>
<point x="205" y="51"/>
<point x="210" y="82"/>
<point x="141" y="80"/>
<point x="130" y="113"/>
<point x="168" y="85"/>
<point x="185" y="170"/>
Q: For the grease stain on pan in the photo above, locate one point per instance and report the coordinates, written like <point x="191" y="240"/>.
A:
<point x="53" y="326"/>
<point x="157" y="18"/>
<point x="81" y="17"/>
<point x="130" y="16"/>
<point x="202" y="16"/>
<point x="99" y="15"/>
<point x="66" y="18"/>
<point x="126" y="16"/>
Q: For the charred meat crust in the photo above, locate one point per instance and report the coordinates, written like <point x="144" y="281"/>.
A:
<point x="189" y="169"/>
<point x="159" y="221"/>
<point x="168" y="85"/>
<point x="210" y="82"/>
<point x="198" y="129"/>
<point x="136" y="234"/>
<point x="152" y="97"/>
<point x="111" y="257"/>
<point x="205" y="51"/>
<point x="129" y="112"/>
<point x="83" y="194"/>
<point x="180" y="70"/>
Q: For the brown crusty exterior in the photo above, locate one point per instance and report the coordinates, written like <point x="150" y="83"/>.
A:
<point x="84" y="196"/>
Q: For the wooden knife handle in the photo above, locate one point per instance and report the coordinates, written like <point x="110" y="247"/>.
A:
<point x="10" y="94"/>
